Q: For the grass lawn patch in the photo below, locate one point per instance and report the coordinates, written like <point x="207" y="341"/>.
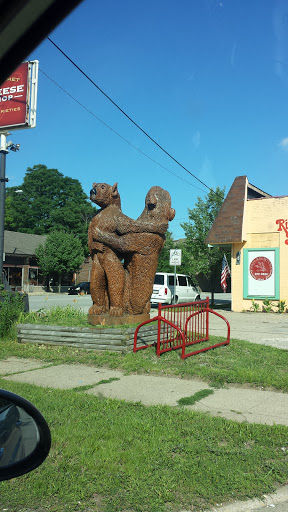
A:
<point x="67" y="316"/>
<point x="114" y="456"/>
<point x="199" y="395"/>
<point x="241" y="362"/>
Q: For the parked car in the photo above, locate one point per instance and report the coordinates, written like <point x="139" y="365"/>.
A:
<point x="163" y="289"/>
<point x="81" y="288"/>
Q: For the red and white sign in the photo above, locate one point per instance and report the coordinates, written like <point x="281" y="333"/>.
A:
<point x="18" y="98"/>
<point x="261" y="268"/>
<point x="261" y="273"/>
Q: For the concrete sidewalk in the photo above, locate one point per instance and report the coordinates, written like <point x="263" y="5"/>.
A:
<point x="236" y="403"/>
<point x="262" y="328"/>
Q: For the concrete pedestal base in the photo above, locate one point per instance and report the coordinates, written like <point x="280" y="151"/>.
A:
<point x="117" y="320"/>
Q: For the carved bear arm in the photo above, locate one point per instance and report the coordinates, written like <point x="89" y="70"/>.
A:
<point x="127" y="243"/>
<point x="142" y="226"/>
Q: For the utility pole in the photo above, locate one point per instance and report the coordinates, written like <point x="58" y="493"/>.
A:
<point x="3" y="180"/>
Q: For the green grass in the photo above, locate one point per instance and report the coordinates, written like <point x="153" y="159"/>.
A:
<point x="90" y="386"/>
<point x="240" y="362"/>
<point x="199" y="395"/>
<point x="58" y="315"/>
<point x="112" y="456"/>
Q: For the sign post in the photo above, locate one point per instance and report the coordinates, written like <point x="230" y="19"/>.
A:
<point x="3" y="179"/>
<point x="175" y="259"/>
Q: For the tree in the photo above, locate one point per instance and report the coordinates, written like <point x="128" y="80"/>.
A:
<point x="164" y="257"/>
<point x="61" y="253"/>
<point x="48" y="201"/>
<point x="201" y="258"/>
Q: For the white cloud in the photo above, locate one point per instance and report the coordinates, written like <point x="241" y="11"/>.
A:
<point x="196" y="139"/>
<point x="284" y="144"/>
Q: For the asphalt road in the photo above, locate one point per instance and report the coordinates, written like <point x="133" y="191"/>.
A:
<point x="84" y="302"/>
<point x="50" y="300"/>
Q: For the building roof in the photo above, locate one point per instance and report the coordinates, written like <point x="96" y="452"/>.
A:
<point x="22" y="244"/>
<point x="255" y="192"/>
<point x="228" y="227"/>
<point x="179" y="241"/>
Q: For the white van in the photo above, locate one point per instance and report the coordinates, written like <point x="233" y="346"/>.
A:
<point x="163" y="289"/>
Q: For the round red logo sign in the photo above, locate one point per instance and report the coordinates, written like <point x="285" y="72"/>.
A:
<point x="261" y="268"/>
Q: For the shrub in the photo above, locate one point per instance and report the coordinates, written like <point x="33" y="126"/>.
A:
<point x="56" y="315"/>
<point x="255" y="306"/>
<point x="267" y="306"/>
<point x="281" y="306"/>
<point x="11" y="305"/>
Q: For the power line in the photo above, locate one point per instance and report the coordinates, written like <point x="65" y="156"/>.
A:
<point x="126" y="115"/>
<point x="114" y="131"/>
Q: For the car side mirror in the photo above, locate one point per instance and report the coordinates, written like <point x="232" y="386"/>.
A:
<point x="25" y="438"/>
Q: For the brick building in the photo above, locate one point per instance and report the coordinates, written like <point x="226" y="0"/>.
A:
<point x="254" y="225"/>
<point x="84" y="273"/>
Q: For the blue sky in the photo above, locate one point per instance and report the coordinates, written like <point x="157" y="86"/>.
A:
<point x="208" y="79"/>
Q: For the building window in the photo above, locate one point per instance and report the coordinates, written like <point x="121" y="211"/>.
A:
<point x="261" y="273"/>
<point x="14" y="277"/>
<point x="35" y="277"/>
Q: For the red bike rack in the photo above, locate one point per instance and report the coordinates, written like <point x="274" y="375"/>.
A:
<point x="182" y="326"/>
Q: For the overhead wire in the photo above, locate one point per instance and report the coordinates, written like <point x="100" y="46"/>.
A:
<point x="126" y="115"/>
<point x="114" y="131"/>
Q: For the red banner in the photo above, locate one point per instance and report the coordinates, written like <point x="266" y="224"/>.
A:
<point x="14" y="96"/>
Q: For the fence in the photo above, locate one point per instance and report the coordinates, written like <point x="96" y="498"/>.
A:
<point x="182" y="326"/>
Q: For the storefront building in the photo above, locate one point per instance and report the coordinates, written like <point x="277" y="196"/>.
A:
<point x="254" y="226"/>
<point x="20" y="264"/>
<point x="22" y="270"/>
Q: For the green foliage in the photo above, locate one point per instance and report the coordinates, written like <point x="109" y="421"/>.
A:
<point x="61" y="253"/>
<point x="198" y="256"/>
<point x="49" y="202"/>
<point x="69" y="315"/>
<point x="267" y="306"/>
<point x="281" y="305"/>
<point x="57" y="315"/>
<point x="164" y="257"/>
<point x="11" y="306"/>
<point x="255" y="306"/>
